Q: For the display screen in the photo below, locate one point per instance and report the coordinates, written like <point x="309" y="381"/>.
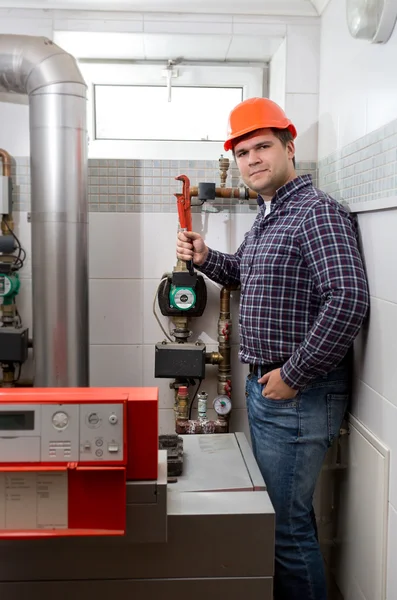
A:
<point x="17" y="420"/>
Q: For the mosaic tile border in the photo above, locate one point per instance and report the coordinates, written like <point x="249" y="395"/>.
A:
<point x="143" y="185"/>
<point x="363" y="171"/>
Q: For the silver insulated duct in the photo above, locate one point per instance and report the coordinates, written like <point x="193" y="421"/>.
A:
<point x="58" y="158"/>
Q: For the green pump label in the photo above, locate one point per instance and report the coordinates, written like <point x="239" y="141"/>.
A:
<point x="9" y="285"/>
<point x="182" y="298"/>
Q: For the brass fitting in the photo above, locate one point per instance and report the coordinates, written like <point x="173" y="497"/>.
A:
<point x="213" y="358"/>
<point x="7" y="225"/>
<point x="6" y="162"/>
<point x="223" y="167"/>
<point x="8" y="313"/>
<point x="8" y="375"/>
<point x="182" y="403"/>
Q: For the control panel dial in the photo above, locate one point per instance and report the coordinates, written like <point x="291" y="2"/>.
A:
<point x="60" y="420"/>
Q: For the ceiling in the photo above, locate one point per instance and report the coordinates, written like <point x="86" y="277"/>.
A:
<point x="160" y="46"/>
<point x="199" y="30"/>
<point x="307" y="8"/>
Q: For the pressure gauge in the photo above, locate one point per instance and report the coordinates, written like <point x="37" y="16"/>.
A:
<point x="222" y="405"/>
<point x="60" y="420"/>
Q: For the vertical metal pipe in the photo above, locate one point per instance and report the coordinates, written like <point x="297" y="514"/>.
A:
<point x="58" y="147"/>
<point x="59" y="235"/>
<point x="224" y="346"/>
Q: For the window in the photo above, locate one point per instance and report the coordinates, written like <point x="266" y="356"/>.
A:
<point x="129" y="115"/>
<point x="144" y="112"/>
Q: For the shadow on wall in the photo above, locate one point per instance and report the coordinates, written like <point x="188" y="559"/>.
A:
<point x="14" y="98"/>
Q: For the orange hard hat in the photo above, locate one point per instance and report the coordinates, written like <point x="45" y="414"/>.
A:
<point x="256" y="113"/>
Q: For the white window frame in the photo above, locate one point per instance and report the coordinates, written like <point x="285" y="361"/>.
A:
<point x="252" y="78"/>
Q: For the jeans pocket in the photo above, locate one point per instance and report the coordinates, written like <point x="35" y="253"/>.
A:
<point x="336" y="408"/>
<point x="290" y="403"/>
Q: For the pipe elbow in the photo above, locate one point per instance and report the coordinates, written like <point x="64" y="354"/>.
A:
<point x="28" y="63"/>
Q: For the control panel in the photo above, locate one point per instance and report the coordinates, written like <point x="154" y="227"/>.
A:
<point x="62" y="432"/>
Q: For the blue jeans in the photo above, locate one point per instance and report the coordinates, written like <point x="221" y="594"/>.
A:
<point x="289" y="440"/>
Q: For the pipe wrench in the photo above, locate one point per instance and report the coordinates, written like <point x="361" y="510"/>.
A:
<point x="184" y="212"/>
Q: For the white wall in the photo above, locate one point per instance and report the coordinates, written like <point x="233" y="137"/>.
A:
<point x="358" y="94"/>
<point x="358" y="90"/>
<point x="302" y="85"/>
<point x="294" y="84"/>
<point x="278" y="75"/>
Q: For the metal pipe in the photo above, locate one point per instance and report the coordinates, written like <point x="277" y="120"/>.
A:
<point x="194" y="427"/>
<point x="58" y="156"/>
<point x="224" y="192"/>
<point x="224" y="348"/>
<point x="6" y="158"/>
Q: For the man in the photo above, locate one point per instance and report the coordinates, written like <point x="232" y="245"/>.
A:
<point x="303" y="299"/>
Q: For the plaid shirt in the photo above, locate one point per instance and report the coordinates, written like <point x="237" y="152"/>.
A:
<point x="303" y="287"/>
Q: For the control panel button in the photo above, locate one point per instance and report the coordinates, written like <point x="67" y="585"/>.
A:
<point x="99" y="442"/>
<point x="87" y="446"/>
<point x="99" y="452"/>
<point x="113" y="419"/>
<point x="113" y="447"/>
<point x="60" y="420"/>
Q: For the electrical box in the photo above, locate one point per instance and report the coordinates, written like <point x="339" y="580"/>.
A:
<point x="5" y="195"/>
<point x="179" y="360"/>
<point x="14" y="344"/>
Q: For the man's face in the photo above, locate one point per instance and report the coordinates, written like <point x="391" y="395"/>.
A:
<point x="264" y="163"/>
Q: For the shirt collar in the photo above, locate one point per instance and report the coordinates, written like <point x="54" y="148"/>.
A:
<point x="287" y="190"/>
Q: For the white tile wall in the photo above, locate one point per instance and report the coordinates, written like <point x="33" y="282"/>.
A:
<point x="278" y="75"/>
<point x="152" y="332"/>
<point x="377" y="232"/>
<point x="294" y="84"/>
<point x="379" y="348"/>
<point x="392" y="571"/>
<point x="15" y="125"/>
<point x="116" y="311"/>
<point x="362" y="538"/>
<point x="303" y="57"/>
<point x="352" y="117"/>
<point x="367" y="98"/>
<point x="380" y="415"/>
<point x="240" y="225"/>
<point x="113" y="366"/>
<point x="302" y="109"/>
<point x="357" y="96"/>
<point x="159" y="234"/>
<point x="116" y="246"/>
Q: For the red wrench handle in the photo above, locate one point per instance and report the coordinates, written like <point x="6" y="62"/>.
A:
<point x="184" y="207"/>
<point x="184" y="211"/>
